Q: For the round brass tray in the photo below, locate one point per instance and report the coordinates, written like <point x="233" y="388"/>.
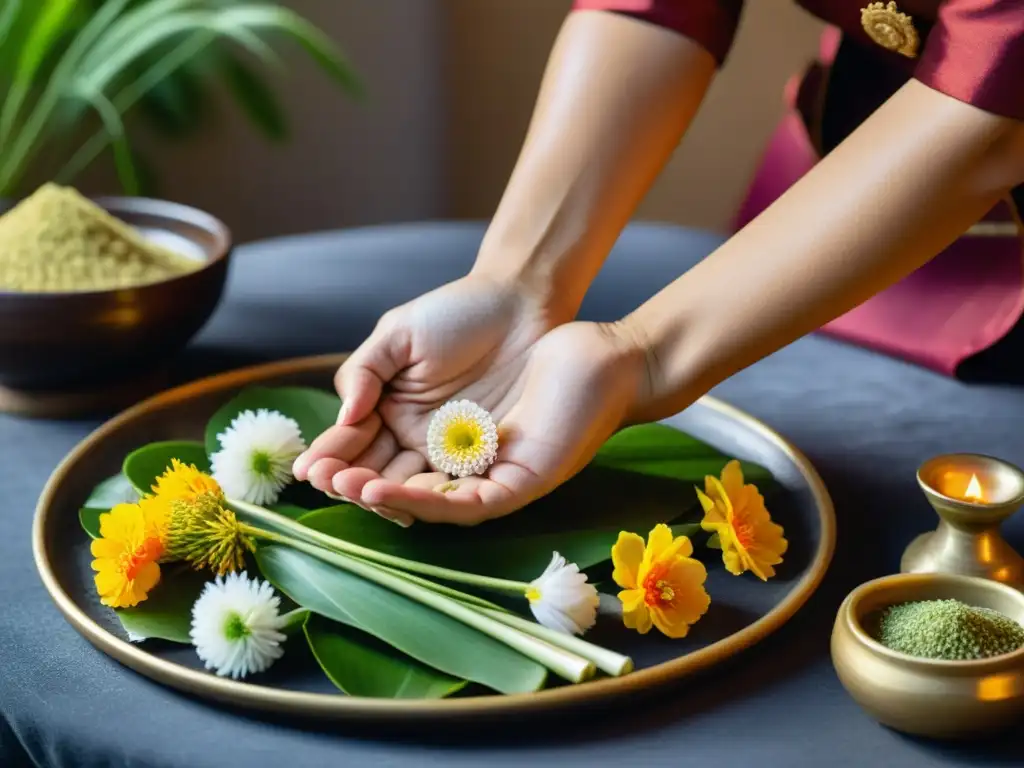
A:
<point x="744" y="610"/>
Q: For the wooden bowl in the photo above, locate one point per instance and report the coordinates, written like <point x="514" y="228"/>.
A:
<point x="929" y="697"/>
<point x="59" y="345"/>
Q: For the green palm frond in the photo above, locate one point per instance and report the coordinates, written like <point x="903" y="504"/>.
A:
<point x="119" y="53"/>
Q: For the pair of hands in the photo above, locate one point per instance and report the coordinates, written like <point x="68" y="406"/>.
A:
<point x="557" y="392"/>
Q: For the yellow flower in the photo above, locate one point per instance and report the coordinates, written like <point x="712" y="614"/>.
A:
<point x="662" y="585"/>
<point x="184" y="481"/>
<point x="736" y="512"/>
<point x="126" y="557"/>
<point x="180" y="482"/>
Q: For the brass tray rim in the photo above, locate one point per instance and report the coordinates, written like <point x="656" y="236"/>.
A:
<point x="348" y="708"/>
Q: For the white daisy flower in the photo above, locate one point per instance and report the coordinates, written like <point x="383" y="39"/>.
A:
<point x="462" y="439"/>
<point x="256" y="454"/>
<point x="236" y="625"/>
<point x="562" y="599"/>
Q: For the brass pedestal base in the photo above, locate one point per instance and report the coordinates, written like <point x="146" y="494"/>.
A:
<point x="973" y="495"/>
<point x="967" y="553"/>
<point x="100" y="401"/>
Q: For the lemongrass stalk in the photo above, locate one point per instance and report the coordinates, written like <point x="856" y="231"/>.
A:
<point x="282" y="522"/>
<point x="569" y="666"/>
<point x="607" y="661"/>
<point x="442" y="589"/>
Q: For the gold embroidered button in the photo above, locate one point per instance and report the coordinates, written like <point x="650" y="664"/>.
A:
<point x="889" y="28"/>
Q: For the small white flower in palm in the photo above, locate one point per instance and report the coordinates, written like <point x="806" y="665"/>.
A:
<point x="257" y="450"/>
<point x="561" y="598"/>
<point x="462" y="439"/>
<point x="236" y="626"/>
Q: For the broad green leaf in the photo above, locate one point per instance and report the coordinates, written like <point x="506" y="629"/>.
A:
<point x="111" y="492"/>
<point x="661" y="451"/>
<point x="361" y="665"/>
<point x="313" y="409"/>
<point x="166" y="614"/>
<point x="143" y="466"/>
<point x="522" y="558"/>
<point x="89" y="518"/>
<point x="256" y="99"/>
<point x="414" y="629"/>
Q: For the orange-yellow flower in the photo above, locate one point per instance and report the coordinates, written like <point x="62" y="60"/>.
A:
<point x="181" y="481"/>
<point x="127" y="553"/>
<point x="662" y="585"/>
<point x="750" y="540"/>
<point x="184" y="481"/>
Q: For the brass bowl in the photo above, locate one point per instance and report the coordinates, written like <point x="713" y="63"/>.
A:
<point x="55" y="346"/>
<point x="928" y="697"/>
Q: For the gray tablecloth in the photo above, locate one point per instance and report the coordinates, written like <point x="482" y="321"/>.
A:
<point x="866" y="422"/>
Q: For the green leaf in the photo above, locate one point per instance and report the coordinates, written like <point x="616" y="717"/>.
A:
<point x="661" y="451"/>
<point x="289" y="510"/>
<point x="256" y="99"/>
<point x="317" y="45"/>
<point x="8" y="15"/>
<point x="313" y="409"/>
<point x="174" y="105"/>
<point x="166" y="614"/>
<point x="361" y="665"/>
<point x="714" y="542"/>
<point x="296" y="622"/>
<point x="522" y="558"/>
<point x="111" y="492"/>
<point x="143" y="466"/>
<point x="421" y="632"/>
<point x="89" y="518"/>
<point x="123" y="160"/>
<point x="47" y="28"/>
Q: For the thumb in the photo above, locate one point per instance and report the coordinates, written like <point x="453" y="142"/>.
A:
<point x="361" y="379"/>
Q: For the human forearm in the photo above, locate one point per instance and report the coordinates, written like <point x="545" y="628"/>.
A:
<point x="912" y="179"/>
<point x="616" y="97"/>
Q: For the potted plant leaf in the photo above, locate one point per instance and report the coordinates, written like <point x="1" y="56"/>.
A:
<point x="73" y="71"/>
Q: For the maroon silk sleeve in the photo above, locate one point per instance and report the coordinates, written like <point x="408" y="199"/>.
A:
<point x="709" y="23"/>
<point x="975" y="53"/>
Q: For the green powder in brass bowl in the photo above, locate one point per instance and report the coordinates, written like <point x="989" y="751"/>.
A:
<point x="57" y="241"/>
<point x="949" y="630"/>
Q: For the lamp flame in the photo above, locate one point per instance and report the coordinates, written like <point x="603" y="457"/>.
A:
<point x="973" y="491"/>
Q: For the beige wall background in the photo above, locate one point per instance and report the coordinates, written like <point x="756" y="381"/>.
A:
<point x="496" y="56"/>
<point x="451" y="86"/>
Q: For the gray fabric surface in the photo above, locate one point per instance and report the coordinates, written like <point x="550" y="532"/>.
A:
<point x="866" y="422"/>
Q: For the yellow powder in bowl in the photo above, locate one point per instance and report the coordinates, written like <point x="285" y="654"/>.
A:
<point x="57" y="241"/>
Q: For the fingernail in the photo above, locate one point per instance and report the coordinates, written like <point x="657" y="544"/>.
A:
<point x="398" y="518"/>
<point x="299" y="466"/>
<point x="342" y="414"/>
